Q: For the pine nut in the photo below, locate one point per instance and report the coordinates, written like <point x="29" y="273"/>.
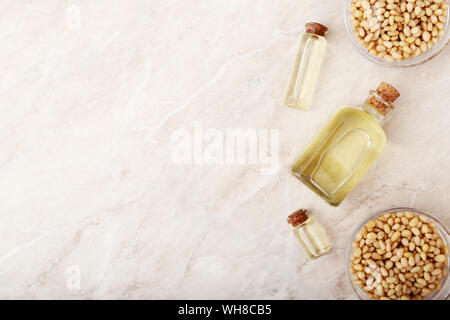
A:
<point x="428" y="267"/>
<point x="395" y="236"/>
<point x="415" y="220"/>
<point x="415" y="231"/>
<point x="406" y="233"/>
<point x="423" y="256"/>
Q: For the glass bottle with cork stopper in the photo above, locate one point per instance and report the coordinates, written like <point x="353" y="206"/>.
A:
<point x="344" y="150"/>
<point x="307" y="67"/>
<point x="309" y="234"/>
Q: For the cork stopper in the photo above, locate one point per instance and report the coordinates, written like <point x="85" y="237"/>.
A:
<point x="316" y="28"/>
<point x="387" y="92"/>
<point x="298" y="217"/>
<point x="388" y="95"/>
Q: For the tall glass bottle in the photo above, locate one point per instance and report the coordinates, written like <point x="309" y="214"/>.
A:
<point x="345" y="149"/>
<point x="309" y="234"/>
<point x="307" y="67"/>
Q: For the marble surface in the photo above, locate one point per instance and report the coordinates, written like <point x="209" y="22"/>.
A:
<point x="94" y="203"/>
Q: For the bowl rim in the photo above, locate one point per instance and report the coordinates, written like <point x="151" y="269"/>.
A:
<point x="409" y="63"/>
<point x="442" y="228"/>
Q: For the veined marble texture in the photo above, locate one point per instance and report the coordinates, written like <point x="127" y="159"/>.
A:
<point x="93" y="205"/>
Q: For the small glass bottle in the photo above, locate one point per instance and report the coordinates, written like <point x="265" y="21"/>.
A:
<point x="309" y="234"/>
<point x="345" y="149"/>
<point x="307" y="67"/>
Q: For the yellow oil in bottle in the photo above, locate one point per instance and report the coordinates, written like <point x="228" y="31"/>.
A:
<point x="339" y="156"/>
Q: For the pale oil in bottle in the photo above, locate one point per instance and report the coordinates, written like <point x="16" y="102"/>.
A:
<point x="309" y="234"/>
<point x="307" y="67"/>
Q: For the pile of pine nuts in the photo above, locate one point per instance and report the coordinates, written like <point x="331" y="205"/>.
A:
<point x="399" y="256"/>
<point x="397" y="30"/>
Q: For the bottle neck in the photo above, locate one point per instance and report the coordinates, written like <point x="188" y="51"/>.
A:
<point x="376" y="107"/>
<point x="315" y="36"/>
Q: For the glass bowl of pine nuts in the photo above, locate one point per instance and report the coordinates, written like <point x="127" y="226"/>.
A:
<point x="399" y="254"/>
<point x="398" y="33"/>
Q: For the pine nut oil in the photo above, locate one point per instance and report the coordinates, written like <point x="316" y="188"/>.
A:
<point x="340" y="155"/>
<point x="309" y="234"/>
<point x="307" y="67"/>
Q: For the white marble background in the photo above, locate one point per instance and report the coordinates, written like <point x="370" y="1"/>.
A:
<point x="92" y="206"/>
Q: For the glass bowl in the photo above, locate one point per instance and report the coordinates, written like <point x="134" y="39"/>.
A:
<point x="442" y="294"/>
<point x="412" y="62"/>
